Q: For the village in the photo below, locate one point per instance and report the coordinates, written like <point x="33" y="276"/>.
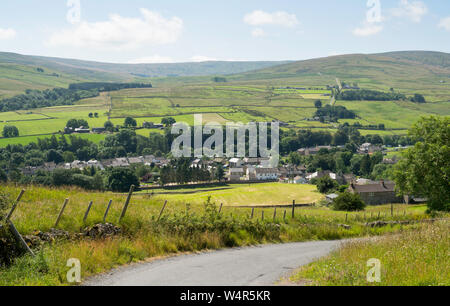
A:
<point x="250" y="171"/>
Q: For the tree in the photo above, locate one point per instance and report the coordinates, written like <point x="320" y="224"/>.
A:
<point x="318" y="104"/>
<point x="130" y="122"/>
<point x="10" y="131"/>
<point x="54" y="156"/>
<point x="326" y="184"/>
<point x="424" y="169"/>
<point x="3" y="176"/>
<point x="75" y="124"/>
<point x="418" y="98"/>
<point x="121" y="179"/>
<point x="168" y="121"/>
<point x="347" y="201"/>
<point x="109" y="126"/>
<point x="220" y="174"/>
<point x="68" y="156"/>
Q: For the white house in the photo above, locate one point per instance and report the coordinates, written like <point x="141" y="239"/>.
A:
<point x="262" y="174"/>
<point x="235" y="174"/>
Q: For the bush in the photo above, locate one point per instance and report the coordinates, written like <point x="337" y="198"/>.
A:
<point x="83" y="181"/>
<point x="121" y="179"/>
<point x="348" y="202"/>
<point x="3" y="176"/>
<point x="326" y="184"/>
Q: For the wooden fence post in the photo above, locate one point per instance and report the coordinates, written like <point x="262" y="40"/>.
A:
<point x="87" y="211"/>
<point x="220" y="208"/>
<point x="293" y="209"/>
<point x="346" y="217"/>
<point x="253" y="213"/>
<point x="262" y="215"/>
<point x="127" y="202"/>
<point x="107" y="211"/>
<point x="13" y="229"/>
<point x="162" y="210"/>
<point x="19" y="237"/>
<point x="13" y="208"/>
<point x="274" y="214"/>
<point x="392" y="210"/>
<point x="284" y="216"/>
<point x="61" y="212"/>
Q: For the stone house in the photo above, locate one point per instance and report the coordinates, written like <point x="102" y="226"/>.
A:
<point x="377" y="193"/>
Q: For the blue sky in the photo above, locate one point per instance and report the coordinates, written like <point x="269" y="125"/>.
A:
<point x="135" y="31"/>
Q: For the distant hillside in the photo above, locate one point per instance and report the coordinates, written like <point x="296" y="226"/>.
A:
<point x="396" y="69"/>
<point x="19" y="72"/>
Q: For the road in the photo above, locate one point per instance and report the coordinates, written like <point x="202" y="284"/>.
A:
<point x="250" y="266"/>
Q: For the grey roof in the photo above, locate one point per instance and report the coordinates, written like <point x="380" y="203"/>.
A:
<point x="375" y="187"/>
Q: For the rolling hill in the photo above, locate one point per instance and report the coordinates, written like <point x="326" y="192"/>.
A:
<point x="19" y="72"/>
<point x="403" y="70"/>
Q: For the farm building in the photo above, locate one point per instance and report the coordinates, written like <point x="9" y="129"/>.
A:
<point x="376" y="193"/>
<point x="235" y="174"/>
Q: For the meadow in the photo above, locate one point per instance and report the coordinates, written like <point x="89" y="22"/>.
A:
<point x="235" y="101"/>
<point x="242" y="194"/>
<point x="183" y="227"/>
<point x="414" y="258"/>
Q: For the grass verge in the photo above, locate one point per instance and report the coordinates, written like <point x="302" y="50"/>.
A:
<point x="416" y="257"/>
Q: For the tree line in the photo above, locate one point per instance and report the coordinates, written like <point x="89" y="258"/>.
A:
<point x="62" y="96"/>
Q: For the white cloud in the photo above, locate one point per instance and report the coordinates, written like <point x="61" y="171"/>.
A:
<point x="260" y="18"/>
<point x="121" y="32"/>
<point x="200" y="58"/>
<point x="258" y="32"/>
<point x="445" y="24"/>
<point x="7" y="33"/>
<point x="413" y="10"/>
<point x="159" y="59"/>
<point x="368" y="29"/>
<point x="155" y="59"/>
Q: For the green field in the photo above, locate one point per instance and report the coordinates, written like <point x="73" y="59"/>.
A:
<point x="259" y="95"/>
<point x="244" y="194"/>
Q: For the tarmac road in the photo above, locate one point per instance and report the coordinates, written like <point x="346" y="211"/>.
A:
<point x="249" y="266"/>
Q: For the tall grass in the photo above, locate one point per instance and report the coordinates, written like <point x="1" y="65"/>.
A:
<point x="182" y="228"/>
<point x="413" y="258"/>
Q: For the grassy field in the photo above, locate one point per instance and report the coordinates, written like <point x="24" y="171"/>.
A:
<point x="413" y="258"/>
<point x="258" y="96"/>
<point x="183" y="228"/>
<point x="249" y="194"/>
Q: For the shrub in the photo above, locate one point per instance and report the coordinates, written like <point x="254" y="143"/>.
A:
<point x="121" y="179"/>
<point x="326" y="184"/>
<point x="348" y="202"/>
<point x="3" y="176"/>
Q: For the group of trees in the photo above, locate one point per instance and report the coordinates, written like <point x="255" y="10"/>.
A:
<point x="349" y="136"/>
<point x="180" y="171"/>
<point x="49" y="97"/>
<point x="369" y="95"/>
<point x="77" y="123"/>
<point x="62" y="96"/>
<point x="335" y="112"/>
<point x="106" y="86"/>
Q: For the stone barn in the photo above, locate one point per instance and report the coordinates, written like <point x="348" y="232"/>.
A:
<point x="377" y="193"/>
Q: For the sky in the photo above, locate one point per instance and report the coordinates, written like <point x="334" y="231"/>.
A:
<point x="143" y="31"/>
